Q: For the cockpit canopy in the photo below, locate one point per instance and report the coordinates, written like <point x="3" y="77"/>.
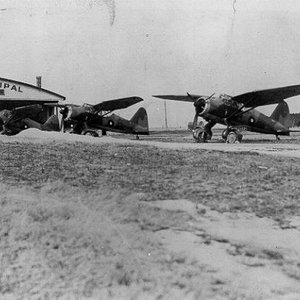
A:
<point x="225" y="96"/>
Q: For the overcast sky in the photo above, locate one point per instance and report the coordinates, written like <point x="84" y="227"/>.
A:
<point x="95" y="50"/>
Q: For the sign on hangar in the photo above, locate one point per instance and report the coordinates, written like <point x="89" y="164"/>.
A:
<point x="16" y="93"/>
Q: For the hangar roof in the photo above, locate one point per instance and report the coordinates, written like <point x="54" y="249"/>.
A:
<point x="16" y="93"/>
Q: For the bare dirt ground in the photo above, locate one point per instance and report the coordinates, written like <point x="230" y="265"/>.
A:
<point x="159" y="218"/>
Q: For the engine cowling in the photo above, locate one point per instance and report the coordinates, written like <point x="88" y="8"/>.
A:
<point x="213" y="106"/>
<point x="202" y="106"/>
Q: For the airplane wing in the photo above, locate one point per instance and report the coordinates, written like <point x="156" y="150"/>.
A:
<point x="121" y="103"/>
<point x="266" y="97"/>
<point x="28" y="111"/>
<point x="185" y="98"/>
<point x="59" y="105"/>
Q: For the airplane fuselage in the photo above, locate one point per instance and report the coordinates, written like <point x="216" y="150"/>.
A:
<point x="83" y="118"/>
<point x="114" y="123"/>
<point x="226" y="111"/>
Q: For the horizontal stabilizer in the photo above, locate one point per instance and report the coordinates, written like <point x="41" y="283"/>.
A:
<point x="293" y="130"/>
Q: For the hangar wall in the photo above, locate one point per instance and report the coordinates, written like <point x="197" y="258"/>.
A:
<point x="16" y="93"/>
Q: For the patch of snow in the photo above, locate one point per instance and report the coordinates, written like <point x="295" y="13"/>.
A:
<point x="241" y="249"/>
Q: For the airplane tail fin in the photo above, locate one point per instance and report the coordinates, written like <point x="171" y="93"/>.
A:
<point x="281" y="114"/>
<point x="140" y="119"/>
<point x="52" y="124"/>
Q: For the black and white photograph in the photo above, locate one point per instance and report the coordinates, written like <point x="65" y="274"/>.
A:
<point x="150" y="149"/>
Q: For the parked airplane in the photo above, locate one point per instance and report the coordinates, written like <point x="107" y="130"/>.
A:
<point x="238" y="113"/>
<point x="17" y="119"/>
<point x="88" y="119"/>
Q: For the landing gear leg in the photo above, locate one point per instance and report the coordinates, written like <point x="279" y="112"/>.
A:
<point x="208" y="127"/>
<point x="277" y="138"/>
<point x="137" y="137"/>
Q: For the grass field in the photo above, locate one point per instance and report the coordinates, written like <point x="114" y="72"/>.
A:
<point x="85" y="219"/>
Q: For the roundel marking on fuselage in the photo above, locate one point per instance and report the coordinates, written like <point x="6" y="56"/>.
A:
<point x="251" y="120"/>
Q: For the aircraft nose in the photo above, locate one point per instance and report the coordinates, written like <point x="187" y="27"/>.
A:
<point x="199" y="102"/>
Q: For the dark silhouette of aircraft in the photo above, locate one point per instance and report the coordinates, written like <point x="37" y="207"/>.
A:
<point x="86" y="119"/>
<point x="238" y="113"/>
<point x="30" y="116"/>
<point x="89" y="119"/>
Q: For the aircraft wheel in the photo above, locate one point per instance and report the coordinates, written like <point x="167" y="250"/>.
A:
<point x="91" y="133"/>
<point x="231" y="137"/>
<point x="200" y="136"/>
<point x="234" y="137"/>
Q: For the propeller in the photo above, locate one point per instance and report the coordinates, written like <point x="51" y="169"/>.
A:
<point x="199" y="104"/>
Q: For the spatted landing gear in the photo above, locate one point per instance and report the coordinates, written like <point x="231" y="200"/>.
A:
<point x="232" y="136"/>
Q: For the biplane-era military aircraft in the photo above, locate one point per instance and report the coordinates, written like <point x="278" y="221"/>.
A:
<point x="238" y="113"/>
<point x="88" y="119"/>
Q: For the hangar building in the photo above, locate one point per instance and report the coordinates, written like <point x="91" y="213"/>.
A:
<point x="16" y="93"/>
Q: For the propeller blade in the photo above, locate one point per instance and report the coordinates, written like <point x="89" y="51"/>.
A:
<point x="209" y="96"/>
<point x="191" y="97"/>
<point x="195" y="120"/>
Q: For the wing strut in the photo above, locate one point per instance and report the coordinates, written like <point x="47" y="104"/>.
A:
<point x="239" y="111"/>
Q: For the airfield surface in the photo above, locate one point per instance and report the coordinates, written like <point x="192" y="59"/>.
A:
<point x="158" y="218"/>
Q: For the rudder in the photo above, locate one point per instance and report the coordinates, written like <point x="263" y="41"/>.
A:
<point x="140" y="119"/>
<point x="281" y="114"/>
<point x="52" y="124"/>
